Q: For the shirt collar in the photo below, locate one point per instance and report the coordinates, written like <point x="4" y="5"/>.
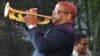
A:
<point x="75" y="53"/>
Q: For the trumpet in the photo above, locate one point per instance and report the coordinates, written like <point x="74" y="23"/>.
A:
<point x="17" y="15"/>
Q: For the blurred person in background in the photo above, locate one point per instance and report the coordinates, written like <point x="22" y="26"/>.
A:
<point x="81" y="47"/>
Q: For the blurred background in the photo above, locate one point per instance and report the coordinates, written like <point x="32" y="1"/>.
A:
<point x="13" y="41"/>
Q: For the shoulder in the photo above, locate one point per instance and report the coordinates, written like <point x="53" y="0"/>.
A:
<point x="89" y="52"/>
<point x="67" y="28"/>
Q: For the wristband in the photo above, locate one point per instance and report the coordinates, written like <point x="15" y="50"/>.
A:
<point x="31" y="26"/>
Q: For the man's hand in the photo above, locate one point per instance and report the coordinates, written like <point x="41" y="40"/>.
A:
<point x="31" y="19"/>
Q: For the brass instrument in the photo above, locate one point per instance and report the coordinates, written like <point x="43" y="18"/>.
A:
<point x="20" y="17"/>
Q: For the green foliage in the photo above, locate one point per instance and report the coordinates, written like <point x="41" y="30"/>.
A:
<point x="93" y="22"/>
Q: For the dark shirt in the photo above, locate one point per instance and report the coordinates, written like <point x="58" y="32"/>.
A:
<point x="58" y="41"/>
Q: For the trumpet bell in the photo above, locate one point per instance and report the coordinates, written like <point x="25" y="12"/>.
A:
<point x="6" y="11"/>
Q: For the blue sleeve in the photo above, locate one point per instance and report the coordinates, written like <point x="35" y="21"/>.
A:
<point x="54" y="40"/>
<point x="31" y="34"/>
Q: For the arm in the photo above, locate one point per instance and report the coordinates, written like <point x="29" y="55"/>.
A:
<point x="53" y="41"/>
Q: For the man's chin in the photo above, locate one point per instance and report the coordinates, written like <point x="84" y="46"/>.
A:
<point x="83" y="52"/>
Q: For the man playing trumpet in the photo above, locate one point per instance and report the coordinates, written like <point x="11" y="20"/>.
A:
<point x="59" y="40"/>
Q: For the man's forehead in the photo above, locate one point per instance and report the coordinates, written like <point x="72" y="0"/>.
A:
<point x="84" y="40"/>
<point x="61" y="7"/>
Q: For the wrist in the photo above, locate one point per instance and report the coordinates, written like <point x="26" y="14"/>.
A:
<point x="31" y="26"/>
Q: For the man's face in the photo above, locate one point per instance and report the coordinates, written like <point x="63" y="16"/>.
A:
<point x="58" y="15"/>
<point x="83" y="45"/>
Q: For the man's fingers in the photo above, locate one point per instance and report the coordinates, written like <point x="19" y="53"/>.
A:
<point x="33" y="11"/>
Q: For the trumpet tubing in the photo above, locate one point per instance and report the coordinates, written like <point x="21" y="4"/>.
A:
<point x="20" y="17"/>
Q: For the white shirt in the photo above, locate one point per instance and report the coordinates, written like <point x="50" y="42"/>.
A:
<point x="75" y="53"/>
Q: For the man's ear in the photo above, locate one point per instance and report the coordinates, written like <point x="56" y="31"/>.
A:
<point x="68" y="16"/>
